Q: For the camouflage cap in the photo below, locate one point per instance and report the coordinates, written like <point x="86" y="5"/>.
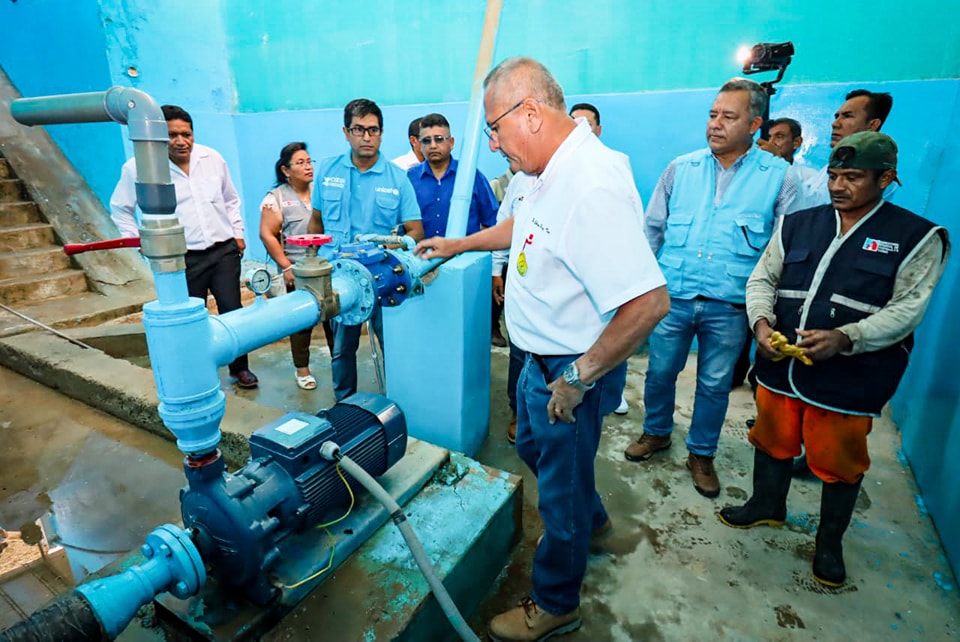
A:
<point x="865" y="150"/>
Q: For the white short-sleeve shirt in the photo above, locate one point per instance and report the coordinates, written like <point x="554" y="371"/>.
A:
<point x="578" y="250"/>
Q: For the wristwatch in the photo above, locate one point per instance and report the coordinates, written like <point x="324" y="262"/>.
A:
<point x="572" y="376"/>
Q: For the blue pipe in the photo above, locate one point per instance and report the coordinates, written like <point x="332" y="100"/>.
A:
<point x="173" y="564"/>
<point x="467" y="167"/>
<point x="241" y="331"/>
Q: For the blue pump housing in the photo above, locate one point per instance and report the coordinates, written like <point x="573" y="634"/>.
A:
<point x="240" y="519"/>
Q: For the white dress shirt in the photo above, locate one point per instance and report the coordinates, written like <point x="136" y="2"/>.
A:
<point x="208" y="205"/>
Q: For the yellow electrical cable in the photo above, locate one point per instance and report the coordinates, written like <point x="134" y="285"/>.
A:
<point x="333" y="540"/>
<point x="352" y="500"/>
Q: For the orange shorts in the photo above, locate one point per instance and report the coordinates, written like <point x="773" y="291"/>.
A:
<point x="836" y="443"/>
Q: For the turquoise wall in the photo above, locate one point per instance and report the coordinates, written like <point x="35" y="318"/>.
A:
<point x="256" y="75"/>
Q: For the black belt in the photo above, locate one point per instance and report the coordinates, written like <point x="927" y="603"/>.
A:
<point x="543" y="366"/>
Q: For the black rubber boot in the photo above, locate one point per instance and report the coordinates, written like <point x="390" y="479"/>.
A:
<point x="768" y="505"/>
<point x="800" y="468"/>
<point x="836" y="508"/>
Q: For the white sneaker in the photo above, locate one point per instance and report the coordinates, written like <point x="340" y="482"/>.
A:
<point x="623" y="407"/>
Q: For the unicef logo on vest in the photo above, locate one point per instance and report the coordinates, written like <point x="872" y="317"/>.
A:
<point x="388" y="190"/>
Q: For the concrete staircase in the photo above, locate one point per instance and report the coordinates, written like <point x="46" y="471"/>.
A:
<point x="33" y="266"/>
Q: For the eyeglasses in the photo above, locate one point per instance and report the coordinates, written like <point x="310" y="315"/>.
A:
<point x="302" y="162"/>
<point x="360" y="130"/>
<point x="490" y="130"/>
<point x="439" y="140"/>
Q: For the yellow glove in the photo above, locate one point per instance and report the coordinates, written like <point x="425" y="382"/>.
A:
<point x="787" y="349"/>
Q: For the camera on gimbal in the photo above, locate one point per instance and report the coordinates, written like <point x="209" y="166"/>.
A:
<point x="767" y="56"/>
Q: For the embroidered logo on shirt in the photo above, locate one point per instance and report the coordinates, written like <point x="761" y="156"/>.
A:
<point x="882" y="247"/>
<point x="522" y="259"/>
<point x="334" y="181"/>
<point x="388" y="190"/>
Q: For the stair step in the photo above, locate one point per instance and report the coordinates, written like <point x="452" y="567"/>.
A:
<point x="5" y="170"/>
<point x="19" y="213"/>
<point x="44" y="286"/>
<point x="12" y="189"/>
<point x="39" y="261"/>
<point x="26" y="237"/>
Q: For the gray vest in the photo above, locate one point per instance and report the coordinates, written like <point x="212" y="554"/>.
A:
<point x="296" y="216"/>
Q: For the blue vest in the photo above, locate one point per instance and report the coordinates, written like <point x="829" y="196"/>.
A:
<point x="858" y="282"/>
<point x="710" y="249"/>
<point x="352" y="202"/>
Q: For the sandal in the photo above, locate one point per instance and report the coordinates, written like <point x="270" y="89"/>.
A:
<point x="306" y="382"/>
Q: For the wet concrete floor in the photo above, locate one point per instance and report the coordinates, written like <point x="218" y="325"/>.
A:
<point x="667" y="571"/>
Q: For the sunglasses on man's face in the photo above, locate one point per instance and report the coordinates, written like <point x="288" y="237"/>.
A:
<point x="439" y="140"/>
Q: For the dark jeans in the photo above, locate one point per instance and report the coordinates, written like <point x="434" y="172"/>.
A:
<point x="517" y="357"/>
<point x="561" y="456"/>
<point x="343" y="360"/>
<point x="217" y="270"/>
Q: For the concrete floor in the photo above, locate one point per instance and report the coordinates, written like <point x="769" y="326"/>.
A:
<point x="667" y="571"/>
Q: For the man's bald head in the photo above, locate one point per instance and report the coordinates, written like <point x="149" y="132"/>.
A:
<point x="517" y="78"/>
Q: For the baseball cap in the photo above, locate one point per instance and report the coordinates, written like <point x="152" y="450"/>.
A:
<point x="865" y="150"/>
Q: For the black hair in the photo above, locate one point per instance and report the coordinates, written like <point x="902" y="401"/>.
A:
<point x="360" y="107"/>
<point x="794" y="126"/>
<point x="174" y="112"/>
<point x="286" y="154"/>
<point x="433" y="120"/>
<point x="879" y="103"/>
<point x="414" y="128"/>
<point x="587" y="107"/>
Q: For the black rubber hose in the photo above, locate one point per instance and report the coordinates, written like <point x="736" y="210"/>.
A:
<point x="70" y="618"/>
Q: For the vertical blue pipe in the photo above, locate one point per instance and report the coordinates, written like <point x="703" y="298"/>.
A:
<point x="467" y="167"/>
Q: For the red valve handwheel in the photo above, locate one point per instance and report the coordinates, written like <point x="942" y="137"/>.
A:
<point x="309" y="239"/>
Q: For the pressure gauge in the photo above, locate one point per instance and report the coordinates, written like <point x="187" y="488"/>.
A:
<point x="258" y="280"/>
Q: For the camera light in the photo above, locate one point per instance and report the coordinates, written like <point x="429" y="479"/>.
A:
<point x="744" y="53"/>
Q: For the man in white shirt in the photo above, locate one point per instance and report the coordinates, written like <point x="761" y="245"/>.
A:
<point x="208" y="207"/>
<point x="862" y="111"/>
<point x="576" y="311"/>
<point x="415" y="155"/>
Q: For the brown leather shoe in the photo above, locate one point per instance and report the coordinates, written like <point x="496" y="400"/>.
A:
<point x="527" y="622"/>
<point x="512" y="429"/>
<point x="704" y="476"/>
<point x="246" y="379"/>
<point x="498" y="339"/>
<point x="643" y="448"/>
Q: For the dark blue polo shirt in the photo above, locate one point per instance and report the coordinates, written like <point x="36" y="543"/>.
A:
<point x="434" y="196"/>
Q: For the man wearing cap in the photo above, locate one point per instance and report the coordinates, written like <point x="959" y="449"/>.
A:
<point x="847" y="282"/>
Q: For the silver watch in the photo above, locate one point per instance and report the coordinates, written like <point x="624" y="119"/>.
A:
<point x="571" y="374"/>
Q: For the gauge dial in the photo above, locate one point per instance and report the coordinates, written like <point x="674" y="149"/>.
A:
<point x="258" y="281"/>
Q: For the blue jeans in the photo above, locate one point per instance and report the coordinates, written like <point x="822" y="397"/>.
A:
<point x="517" y="358"/>
<point x="721" y="330"/>
<point x="561" y="457"/>
<point x="343" y="361"/>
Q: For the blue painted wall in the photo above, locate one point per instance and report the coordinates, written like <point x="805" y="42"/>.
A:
<point x="257" y="75"/>
<point x="58" y="47"/>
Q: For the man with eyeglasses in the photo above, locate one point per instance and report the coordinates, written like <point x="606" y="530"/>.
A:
<point x="208" y="207"/>
<point x="360" y="192"/>
<point x="433" y="182"/>
<point x="709" y="219"/>
<point x="584" y="292"/>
